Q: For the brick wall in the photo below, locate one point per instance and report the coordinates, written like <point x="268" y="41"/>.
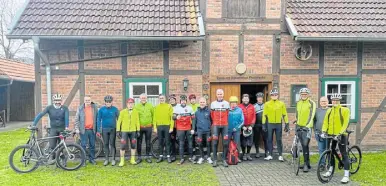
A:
<point x="258" y="54"/>
<point x="288" y="59"/>
<point x="99" y="86"/>
<point x="377" y="133"/>
<point x="213" y="8"/>
<point x="340" y="58"/>
<point x="110" y="64"/>
<point x="373" y="89"/>
<point x="312" y="82"/>
<point x="195" y="85"/>
<point x="186" y="58"/>
<point x="273" y="8"/>
<point x="374" y="56"/>
<point x="262" y="26"/>
<point x="224" y="54"/>
<point x="146" y="64"/>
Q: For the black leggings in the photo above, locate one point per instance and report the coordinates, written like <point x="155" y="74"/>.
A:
<point x="304" y="141"/>
<point x="173" y="142"/>
<point x="257" y="132"/>
<point x="54" y="141"/>
<point x="203" y="136"/>
<point x="223" y="130"/>
<point x="163" y="139"/>
<point x="246" y="142"/>
<point x="343" y="150"/>
<point x="109" y="136"/>
<point x="181" y="139"/>
<point x="147" y="133"/>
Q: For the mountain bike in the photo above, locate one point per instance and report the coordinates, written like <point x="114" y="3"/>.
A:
<point x="327" y="160"/>
<point x="30" y="156"/>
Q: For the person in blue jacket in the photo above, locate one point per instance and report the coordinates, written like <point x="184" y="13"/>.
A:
<point x="235" y="120"/>
<point x="106" y="124"/>
<point x="201" y="125"/>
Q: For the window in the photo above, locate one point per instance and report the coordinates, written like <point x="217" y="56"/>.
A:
<point x="347" y="88"/>
<point x="295" y="96"/>
<point x="242" y="8"/>
<point x="150" y="86"/>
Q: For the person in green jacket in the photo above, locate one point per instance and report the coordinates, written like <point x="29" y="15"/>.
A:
<point x="163" y="126"/>
<point x="305" y="113"/>
<point x="193" y="104"/>
<point x="274" y="114"/>
<point x="146" y="112"/>
<point x="335" y="124"/>
<point x="127" y="129"/>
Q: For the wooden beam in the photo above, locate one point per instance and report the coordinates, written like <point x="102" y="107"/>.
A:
<point x="372" y="120"/>
<point x="298" y="71"/>
<point x="186" y="72"/>
<point x="8" y="103"/>
<point x="241" y="48"/>
<point x="276" y="61"/>
<point x="373" y="71"/>
<point x="86" y="72"/>
<point x="321" y="66"/>
<point x="124" y="72"/>
<point x="166" y="69"/>
<point x="359" y="96"/>
<point x="372" y="109"/>
<point x="72" y="94"/>
<point x="82" y="83"/>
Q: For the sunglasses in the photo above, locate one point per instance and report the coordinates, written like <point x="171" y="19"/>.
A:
<point x="108" y="101"/>
<point x="274" y="94"/>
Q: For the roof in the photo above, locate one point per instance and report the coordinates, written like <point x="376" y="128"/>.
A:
<point x="109" y="18"/>
<point x="15" y="70"/>
<point x="360" y="20"/>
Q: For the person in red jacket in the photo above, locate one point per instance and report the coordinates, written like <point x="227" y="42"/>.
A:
<point x="246" y="132"/>
<point x="219" y="114"/>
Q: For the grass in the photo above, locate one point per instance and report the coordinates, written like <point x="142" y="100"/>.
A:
<point x="142" y="174"/>
<point x="371" y="172"/>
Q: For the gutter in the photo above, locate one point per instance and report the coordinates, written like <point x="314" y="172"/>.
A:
<point x="154" y="38"/>
<point x="291" y="27"/>
<point x="340" y="38"/>
<point x="201" y="25"/>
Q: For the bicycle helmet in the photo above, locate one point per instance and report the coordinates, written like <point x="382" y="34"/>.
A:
<point x="108" y="98"/>
<point x="57" y="97"/>
<point x="192" y="96"/>
<point x="182" y="97"/>
<point x="336" y="96"/>
<point x="274" y="91"/>
<point x="233" y="99"/>
<point x="247" y="133"/>
<point x="260" y="94"/>
<point x="304" y="90"/>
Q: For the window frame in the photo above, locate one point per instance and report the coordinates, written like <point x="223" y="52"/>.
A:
<point x="354" y="82"/>
<point x="129" y="82"/>
<point x="292" y="101"/>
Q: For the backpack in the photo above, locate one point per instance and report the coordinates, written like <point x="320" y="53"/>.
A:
<point x="233" y="153"/>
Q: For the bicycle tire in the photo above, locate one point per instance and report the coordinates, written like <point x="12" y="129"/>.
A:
<point x="98" y="146"/>
<point x="296" y="160"/>
<point x="325" y="161"/>
<point x="12" y="154"/>
<point x="352" y="156"/>
<point x="78" y="148"/>
<point x="154" y="152"/>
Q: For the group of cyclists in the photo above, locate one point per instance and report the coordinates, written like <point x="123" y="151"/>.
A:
<point x="245" y="123"/>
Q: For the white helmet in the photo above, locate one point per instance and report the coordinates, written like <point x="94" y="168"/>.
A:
<point x="336" y="96"/>
<point x="57" y="97"/>
<point x="304" y="90"/>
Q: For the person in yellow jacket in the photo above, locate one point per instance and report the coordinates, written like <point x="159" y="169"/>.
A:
<point x="274" y="114"/>
<point x="127" y="129"/>
<point x="163" y="125"/>
<point x="335" y="124"/>
<point x="305" y="113"/>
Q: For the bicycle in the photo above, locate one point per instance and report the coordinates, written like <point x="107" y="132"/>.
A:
<point x="327" y="160"/>
<point x="297" y="150"/>
<point x="32" y="154"/>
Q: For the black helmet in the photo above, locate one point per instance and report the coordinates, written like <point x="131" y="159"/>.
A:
<point x="183" y="97"/>
<point x="108" y="98"/>
<point x="260" y="94"/>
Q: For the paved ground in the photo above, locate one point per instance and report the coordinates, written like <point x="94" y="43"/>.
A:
<point x="260" y="172"/>
<point x="13" y="125"/>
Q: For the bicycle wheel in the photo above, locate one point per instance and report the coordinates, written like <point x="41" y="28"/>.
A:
<point x="98" y="146"/>
<point x="154" y="148"/>
<point x="70" y="159"/>
<point x="44" y="147"/>
<point x="355" y="158"/>
<point x="296" y="159"/>
<point x="24" y="159"/>
<point x="325" y="164"/>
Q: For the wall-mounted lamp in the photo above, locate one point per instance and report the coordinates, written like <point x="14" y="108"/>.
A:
<point x="185" y="83"/>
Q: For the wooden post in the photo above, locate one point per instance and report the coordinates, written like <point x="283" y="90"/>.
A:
<point x="8" y="102"/>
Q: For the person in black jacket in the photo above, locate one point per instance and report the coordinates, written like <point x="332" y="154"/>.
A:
<point x="258" y="128"/>
<point x="201" y="126"/>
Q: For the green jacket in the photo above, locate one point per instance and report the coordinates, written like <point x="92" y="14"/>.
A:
<point x="275" y="112"/>
<point x="128" y="121"/>
<point x="146" y="112"/>
<point x="194" y="106"/>
<point x="163" y="115"/>
<point x="336" y="120"/>
<point x="305" y="113"/>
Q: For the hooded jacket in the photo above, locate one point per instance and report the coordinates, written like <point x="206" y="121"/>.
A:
<point x="235" y="119"/>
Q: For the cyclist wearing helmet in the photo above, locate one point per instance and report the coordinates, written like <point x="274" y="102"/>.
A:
<point x="146" y="114"/>
<point x="202" y="125"/>
<point x="246" y="132"/>
<point x="107" y="121"/>
<point x="258" y="128"/>
<point x="59" y="120"/>
<point x="193" y="104"/>
<point x="173" y="135"/>
<point x="219" y="114"/>
<point x="184" y="115"/>
<point x="163" y="126"/>
<point x="305" y="112"/>
<point x="127" y="129"/>
<point x="274" y="114"/>
<point x="235" y="120"/>
<point x="335" y="124"/>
